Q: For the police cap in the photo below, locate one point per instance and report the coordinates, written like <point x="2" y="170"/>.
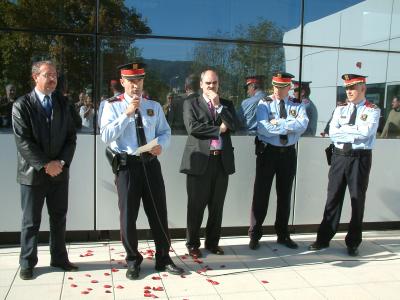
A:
<point x="132" y="70"/>
<point x="353" y="79"/>
<point x="281" y="79"/>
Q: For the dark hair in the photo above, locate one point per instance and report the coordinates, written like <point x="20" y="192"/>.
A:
<point x="192" y="82"/>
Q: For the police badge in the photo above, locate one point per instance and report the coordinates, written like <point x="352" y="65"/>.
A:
<point x="293" y="112"/>
<point x="364" y="117"/>
<point x="150" y="112"/>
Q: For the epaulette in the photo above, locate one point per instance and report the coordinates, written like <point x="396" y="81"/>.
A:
<point x="118" y="98"/>
<point x="295" y="100"/>
<point x="343" y="104"/>
<point x="267" y="99"/>
<point x="370" y="105"/>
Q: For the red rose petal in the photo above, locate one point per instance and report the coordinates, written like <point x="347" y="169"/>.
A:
<point x="119" y="286"/>
<point x="183" y="256"/>
<point x="106" y="286"/>
<point x="164" y="275"/>
<point x="107" y="274"/>
<point x="147" y="292"/>
<point x="147" y="295"/>
<point x="73" y="285"/>
<point x="84" y="292"/>
<point x="89" y="289"/>
<point x="213" y="282"/>
<point x="159" y="288"/>
<point x="107" y="291"/>
<point x="94" y="281"/>
<point x="70" y="278"/>
<point x="114" y="270"/>
<point x="156" y="278"/>
<point x="147" y="287"/>
<point x="264" y="281"/>
<point x="88" y="275"/>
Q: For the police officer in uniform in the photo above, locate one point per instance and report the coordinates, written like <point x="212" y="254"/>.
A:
<point x="129" y="121"/>
<point x="247" y="112"/>
<point x="280" y="122"/>
<point x="352" y="130"/>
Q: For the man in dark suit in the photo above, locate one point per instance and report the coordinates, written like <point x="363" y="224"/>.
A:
<point x="208" y="161"/>
<point x="46" y="140"/>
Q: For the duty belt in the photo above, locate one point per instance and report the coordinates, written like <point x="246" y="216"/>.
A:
<point x="280" y="149"/>
<point x="353" y="152"/>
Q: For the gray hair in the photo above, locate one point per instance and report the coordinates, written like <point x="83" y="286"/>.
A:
<point x="204" y="73"/>
<point x="36" y="66"/>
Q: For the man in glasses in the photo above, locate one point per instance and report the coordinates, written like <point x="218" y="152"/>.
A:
<point x="46" y="140"/>
<point x="208" y="161"/>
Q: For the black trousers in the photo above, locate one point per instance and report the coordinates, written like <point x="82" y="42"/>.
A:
<point x="351" y="171"/>
<point x="208" y="189"/>
<point x="279" y="162"/>
<point x="32" y="201"/>
<point x="132" y="186"/>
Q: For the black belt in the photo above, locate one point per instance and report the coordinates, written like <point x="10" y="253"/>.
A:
<point x="353" y="153"/>
<point x="138" y="159"/>
<point x="280" y="149"/>
<point x="215" y="152"/>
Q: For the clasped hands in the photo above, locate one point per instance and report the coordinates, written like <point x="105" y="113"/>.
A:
<point x="53" y="168"/>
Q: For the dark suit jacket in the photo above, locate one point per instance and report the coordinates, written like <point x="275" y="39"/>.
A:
<point x="201" y="129"/>
<point x="39" y="141"/>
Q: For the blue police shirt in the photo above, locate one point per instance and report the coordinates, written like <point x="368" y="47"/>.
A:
<point x="247" y="112"/>
<point x="119" y="131"/>
<point x="362" y="134"/>
<point x="293" y="126"/>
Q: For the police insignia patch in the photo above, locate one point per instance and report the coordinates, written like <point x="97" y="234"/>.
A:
<point x="364" y="117"/>
<point x="150" y="112"/>
<point x="293" y="112"/>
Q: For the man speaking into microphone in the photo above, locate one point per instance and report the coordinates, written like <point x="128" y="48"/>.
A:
<point x="128" y="122"/>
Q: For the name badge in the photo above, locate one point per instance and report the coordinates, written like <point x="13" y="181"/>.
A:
<point x="150" y="112"/>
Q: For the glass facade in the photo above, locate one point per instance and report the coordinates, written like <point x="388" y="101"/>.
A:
<point x="315" y="40"/>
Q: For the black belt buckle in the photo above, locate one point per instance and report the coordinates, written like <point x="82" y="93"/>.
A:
<point x="215" y="152"/>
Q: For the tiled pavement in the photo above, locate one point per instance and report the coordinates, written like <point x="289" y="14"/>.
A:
<point x="271" y="272"/>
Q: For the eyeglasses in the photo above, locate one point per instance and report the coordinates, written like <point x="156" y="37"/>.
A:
<point x="211" y="82"/>
<point x="49" y="75"/>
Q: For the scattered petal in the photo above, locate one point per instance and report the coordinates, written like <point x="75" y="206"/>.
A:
<point x="213" y="282"/>
<point x="147" y="292"/>
<point x="112" y="259"/>
<point x="74" y="285"/>
<point x="88" y="275"/>
<point x="90" y="251"/>
<point x="183" y="256"/>
<point x="156" y="278"/>
<point x="94" y="281"/>
<point x="147" y="287"/>
<point x="112" y="249"/>
<point x="114" y="270"/>
<point x="159" y="288"/>
<point x="81" y="255"/>
<point x="164" y="275"/>
<point x="264" y="281"/>
<point x="107" y="274"/>
<point x="106" y="286"/>
<point x="89" y="289"/>
<point x="119" y="286"/>
<point x="70" y="278"/>
<point x="183" y="276"/>
<point x="85" y="292"/>
<point x="107" y="291"/>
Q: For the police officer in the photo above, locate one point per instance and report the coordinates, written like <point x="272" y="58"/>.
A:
<point x="129" y="121"/>
<point x="247" y="112"/>
<point x="280" y="122"/>
<point x="352" y="130"/>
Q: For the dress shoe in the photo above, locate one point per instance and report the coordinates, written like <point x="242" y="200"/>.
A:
<point x="195" y="252"/>
<point x="66" y="266"/>
<point x="26" y="274"/>
<point x="216" y="250"/>
<point x="317" y="246"/>
<point x="352" y="251"/>
<point x="170" y="268"/>
<point x="254" y="244"/>
<point x="288" y="242"/>
<point x="133" y="272"/>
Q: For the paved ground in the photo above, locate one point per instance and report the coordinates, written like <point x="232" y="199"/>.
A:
<point x="271" y="272"/>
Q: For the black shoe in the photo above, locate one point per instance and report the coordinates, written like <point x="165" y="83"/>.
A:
<point x="287" y="241"/>
<point x="317" y="246"/>
<point x="133" y="272"/>
<point x="66" y="266"/>
<point x="26" y="274"/>
<point x="195" y="252"/>
<point x="352" y="251"/>
<point x="254" y="244"/>
<point x="216" y="250"/>
<point x="170" y="268"/>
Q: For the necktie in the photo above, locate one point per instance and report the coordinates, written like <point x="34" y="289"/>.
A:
<point x="215" y="143"/>
<point x="283" y="138"/>
<point x="140" y="135"/>
<point x="47" y="106"/>
<point x="352" y="121"/>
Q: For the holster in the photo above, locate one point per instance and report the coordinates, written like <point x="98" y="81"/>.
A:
<point x="113" y="158"/>
<point x="260" y="146"/>
<point x="328" y="153"/>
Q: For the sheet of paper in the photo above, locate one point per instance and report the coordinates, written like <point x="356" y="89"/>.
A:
<point x="147" y="147"/>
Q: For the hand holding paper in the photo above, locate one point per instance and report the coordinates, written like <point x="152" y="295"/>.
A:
<point x="148" y="147"/>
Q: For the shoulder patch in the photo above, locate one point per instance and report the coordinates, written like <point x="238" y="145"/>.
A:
<point x="370" y="105"/>
<point x="115" y="99"/>
<point x="267" y="99"/>
<point x="343" y="104"/>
